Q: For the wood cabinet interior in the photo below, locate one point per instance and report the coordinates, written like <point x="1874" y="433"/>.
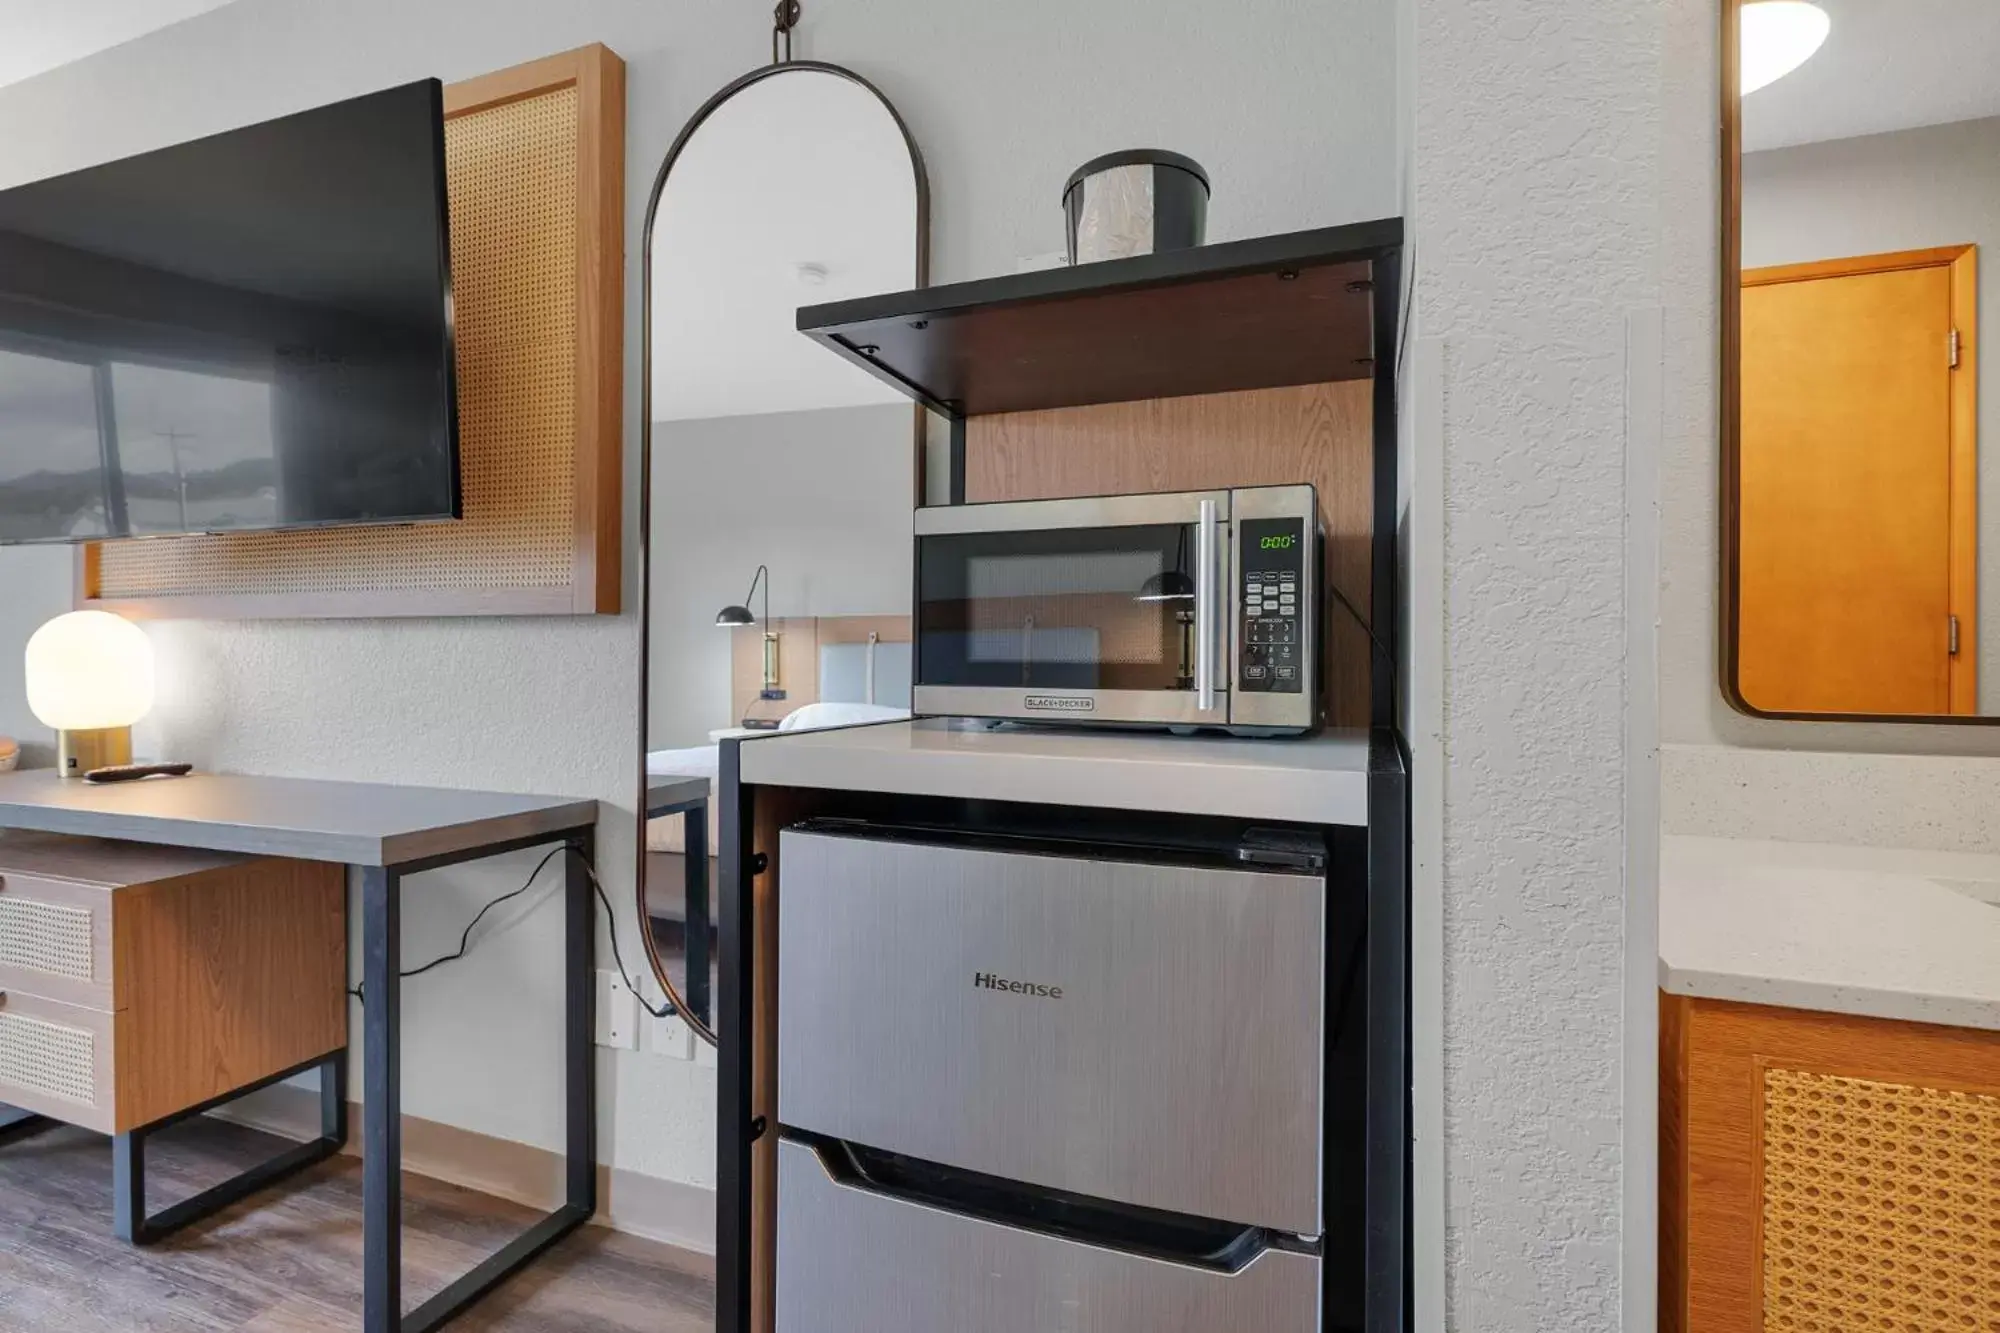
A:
<point x="1824" y="1171"/>
<point x="1319" y="433"/>
<point x="774" y="808"/>
<point x="1296" y="308"/>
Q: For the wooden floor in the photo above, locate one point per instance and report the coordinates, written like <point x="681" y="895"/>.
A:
<point x="289" y="1260"/>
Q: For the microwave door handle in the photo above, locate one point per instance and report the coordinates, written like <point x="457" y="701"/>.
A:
<point x="1207" y="587"/>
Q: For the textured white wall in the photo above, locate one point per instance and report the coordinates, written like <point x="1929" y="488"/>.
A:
<point x="1538" y="161"/>
<point x="1287" y="102"/>
<point x="1937" y="802"/>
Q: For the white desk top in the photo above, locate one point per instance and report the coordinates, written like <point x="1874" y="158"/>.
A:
<point x="1313" y="780"/>
<point x="357" y="823"/>
<point x="1878" y="932"/>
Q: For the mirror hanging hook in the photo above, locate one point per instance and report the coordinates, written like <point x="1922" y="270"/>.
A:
<point x="783" y="19"/>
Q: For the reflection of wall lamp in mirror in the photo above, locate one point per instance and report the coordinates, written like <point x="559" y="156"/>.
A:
<point x="1170" y="586"/>
<point x="738" y="616"/>
<point x="1778" y="37"/>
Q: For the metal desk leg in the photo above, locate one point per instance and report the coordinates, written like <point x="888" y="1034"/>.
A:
<point x="16" y="1124"/>
<point x="580" y="1025"/>
<point x="382" y="1177"/>
<point x="382" y="1100"/>
<point x="695" y="934"/>
<point x="128" y="1158"/>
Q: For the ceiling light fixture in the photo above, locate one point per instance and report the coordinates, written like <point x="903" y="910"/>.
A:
<point x="1778" y="37"/>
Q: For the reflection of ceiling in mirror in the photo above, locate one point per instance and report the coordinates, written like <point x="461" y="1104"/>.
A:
<point x="797" y="190"/>
<point x="1887" y="65"/>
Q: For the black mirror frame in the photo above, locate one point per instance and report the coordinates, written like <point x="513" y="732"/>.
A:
<point x="1729" y="381"/>
<point x="704" y="1026"/>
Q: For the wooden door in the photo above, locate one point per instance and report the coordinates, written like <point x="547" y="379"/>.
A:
<point x="1856" y="492"/>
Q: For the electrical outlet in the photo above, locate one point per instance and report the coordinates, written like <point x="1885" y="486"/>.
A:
<point x="617" y="1013"/>
<point x="671" y="1037"/>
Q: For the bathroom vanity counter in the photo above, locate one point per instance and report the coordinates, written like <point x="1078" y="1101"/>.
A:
<point x="1829" y="1086"/>
<point x="1865" y="931"/>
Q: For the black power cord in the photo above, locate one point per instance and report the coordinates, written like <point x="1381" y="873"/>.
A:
<point x="665" y="1009"/>
<point x="1395" y="707"/>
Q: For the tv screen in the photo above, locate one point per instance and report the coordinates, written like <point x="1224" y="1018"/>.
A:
<point x="249" y="331"/>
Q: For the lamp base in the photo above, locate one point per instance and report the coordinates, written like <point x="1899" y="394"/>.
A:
<point x="78" y="752"/>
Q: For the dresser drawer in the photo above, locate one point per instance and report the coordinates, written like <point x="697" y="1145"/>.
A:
<point x="55" y="940"/>
<point x="56" y="1060"/>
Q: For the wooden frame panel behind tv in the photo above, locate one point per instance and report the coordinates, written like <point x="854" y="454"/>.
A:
<point x="541" y="442"/>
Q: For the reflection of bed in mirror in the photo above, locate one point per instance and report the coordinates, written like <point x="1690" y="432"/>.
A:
<point x="837" y="671"/>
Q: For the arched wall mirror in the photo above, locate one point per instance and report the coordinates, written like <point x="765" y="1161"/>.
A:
<point x="1861" y="473"/>
<point x="778" y="480"/>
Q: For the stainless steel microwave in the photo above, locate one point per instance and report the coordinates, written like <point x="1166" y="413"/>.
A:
<point x="1186" y="610"/>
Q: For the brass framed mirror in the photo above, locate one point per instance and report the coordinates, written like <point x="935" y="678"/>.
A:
<point x="1861" y="181"/>
<point x="776" y="480"/>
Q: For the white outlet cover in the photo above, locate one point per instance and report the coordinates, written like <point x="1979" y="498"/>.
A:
<point x="617" y="1013"/>
<point x="670" y="1037"/>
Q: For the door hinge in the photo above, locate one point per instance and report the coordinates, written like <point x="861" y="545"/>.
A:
<point x="1954" y="349"/>
<point x="1953" y="627"/>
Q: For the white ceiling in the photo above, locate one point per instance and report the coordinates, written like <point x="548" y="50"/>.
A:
<point x="38" y="35"/>
<point x="1887" y="65"/>
<point x="802" y="167"/>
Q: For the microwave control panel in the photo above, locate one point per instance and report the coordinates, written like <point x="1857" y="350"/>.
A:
<point x="1270" y="650"/>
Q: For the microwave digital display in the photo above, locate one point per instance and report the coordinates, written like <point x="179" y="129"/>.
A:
<point x="1271" y="645"/>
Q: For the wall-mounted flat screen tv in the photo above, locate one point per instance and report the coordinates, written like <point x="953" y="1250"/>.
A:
<point x="249" y="331"/>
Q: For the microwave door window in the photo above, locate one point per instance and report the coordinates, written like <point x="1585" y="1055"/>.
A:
<point x="1088" y="609"/>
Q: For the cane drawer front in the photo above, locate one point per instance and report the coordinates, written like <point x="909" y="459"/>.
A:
<point x="1827" y="1172"/>
<point x="56" y="1060"/>
<point x="56" y="939"/>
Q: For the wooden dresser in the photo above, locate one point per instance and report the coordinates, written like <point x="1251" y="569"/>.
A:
<point x="138" y="981"/>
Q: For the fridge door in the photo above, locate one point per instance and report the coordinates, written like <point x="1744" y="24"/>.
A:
<point x="851" y="1260"/>
<point x="1146" y="1033"/>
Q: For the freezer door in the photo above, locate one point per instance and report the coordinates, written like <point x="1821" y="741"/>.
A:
<point x="1148" y="1034"/>
<point x="854" y="1261"/>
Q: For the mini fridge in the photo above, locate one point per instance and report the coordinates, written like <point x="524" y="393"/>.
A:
<point x="1034" y="1085"/>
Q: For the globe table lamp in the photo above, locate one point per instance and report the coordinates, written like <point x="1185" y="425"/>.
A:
<point x="90" y="677"/>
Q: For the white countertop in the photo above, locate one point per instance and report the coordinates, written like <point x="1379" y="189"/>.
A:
<point x="1319" y="779"/>
<point x="1877" y="932"/>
